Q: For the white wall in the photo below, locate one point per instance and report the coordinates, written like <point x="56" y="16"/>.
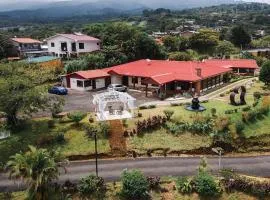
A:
<point x="57" y="44"/>
<point x="73" y="85"/>
<point x="115" y="79"/>
<point x="139" y="84"/>
<point x="100" y="83"/>
<point x="89" y="46"/>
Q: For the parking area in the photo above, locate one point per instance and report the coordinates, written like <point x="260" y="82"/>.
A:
<point x="82" y="101"/>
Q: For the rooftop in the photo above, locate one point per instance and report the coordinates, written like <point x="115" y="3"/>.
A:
<point x="77" y="37"/>
<point x="90" y="74"/>
<point x="26" y="40"/>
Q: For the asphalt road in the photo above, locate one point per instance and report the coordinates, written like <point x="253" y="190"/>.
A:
<point x="111" y="170"/>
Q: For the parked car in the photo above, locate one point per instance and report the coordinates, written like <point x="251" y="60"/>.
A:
<point x="58" y="90"/>
<point x="118" y="87"/>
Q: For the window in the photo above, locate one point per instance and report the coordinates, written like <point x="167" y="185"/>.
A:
<point x="79" y="83"/>
<point x="81" y="45"/>
<point x="52" y="44"/>
<point x="98" y="44"/>
<point x="88" y="83"/>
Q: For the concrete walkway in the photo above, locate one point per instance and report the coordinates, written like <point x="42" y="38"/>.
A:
<point x="211" y="95"/>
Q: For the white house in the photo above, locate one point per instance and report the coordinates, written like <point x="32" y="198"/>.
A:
<point x="69" y="45"/>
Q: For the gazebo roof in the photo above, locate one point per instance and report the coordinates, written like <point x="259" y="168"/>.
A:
<point x="112" y="96"/>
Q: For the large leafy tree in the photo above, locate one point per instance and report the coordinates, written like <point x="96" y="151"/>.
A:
<point x="5" y="46"/>
<point x="205" y="41"/>
<point x="225" y="48"/>
<point x="265" y="73"/>
<point x="23" y="89"/>
<point x="37" y="168"/>
<point x="239" y="36"/>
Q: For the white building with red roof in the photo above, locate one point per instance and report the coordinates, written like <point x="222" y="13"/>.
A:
<point x="168" y="77"/>
<point x="69" y="45"/>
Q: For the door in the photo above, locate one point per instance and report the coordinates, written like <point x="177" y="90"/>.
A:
<point x="73" y="47"/>
<point x="94" y="84"/>
<point x="64" y="46"/>
<point x="125" y="80"/>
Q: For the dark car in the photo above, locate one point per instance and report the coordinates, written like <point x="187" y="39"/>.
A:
<point x="58" y="90"/>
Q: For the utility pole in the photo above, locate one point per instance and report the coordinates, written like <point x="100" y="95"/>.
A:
<point x="219" y="151"/>
<point x="96" y="154"/>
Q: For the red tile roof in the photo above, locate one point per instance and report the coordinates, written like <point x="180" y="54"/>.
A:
<point x="166" y="71"/>
<point x="26" y="40"/>
<point x="91" y="74"/>
<point x="233" y="63"/>
<point x="81" y="37"/>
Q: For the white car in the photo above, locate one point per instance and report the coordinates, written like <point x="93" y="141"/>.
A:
<point x="118" y="87"/>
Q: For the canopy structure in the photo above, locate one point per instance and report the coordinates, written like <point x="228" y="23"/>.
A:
<point x="113" y="105"/>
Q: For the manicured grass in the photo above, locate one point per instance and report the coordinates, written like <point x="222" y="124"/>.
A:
<point x="161" y="139"/>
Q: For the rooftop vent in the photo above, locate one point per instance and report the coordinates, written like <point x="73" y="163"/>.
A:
<point x="78" y="33"/>
<point x="199" y="72"/>
<point x="148" y="61"/>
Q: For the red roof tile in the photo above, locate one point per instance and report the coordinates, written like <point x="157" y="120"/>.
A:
<point x="166" y="71"/>
<point x="26" y="40"/>
<point x="91" y="74"/>
<point x="233" y="63"/>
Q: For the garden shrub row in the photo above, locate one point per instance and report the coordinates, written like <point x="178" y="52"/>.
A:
<point x="150" y="124"/>
<point x="45" y="140"/>
<point x="252" y="115"/>
<point x="147" y="107"/>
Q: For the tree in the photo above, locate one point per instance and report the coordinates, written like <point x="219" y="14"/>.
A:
<point x="171" y="43"/>
<point x="5" y="46"/>
<point x="38" y="168"/>
<point x="180" y="56"/>
<point x="239" y="37"/>
<point x="265" y="73"/>
<point x="76" y="65"/>
<point x="23" y="89"/>
<point x="225" y="48"/>
<point x="77" y="116"/>
<point x="205" y="41"/>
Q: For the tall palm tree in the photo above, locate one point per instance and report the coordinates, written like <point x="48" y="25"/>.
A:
<point x="37" y="168"/>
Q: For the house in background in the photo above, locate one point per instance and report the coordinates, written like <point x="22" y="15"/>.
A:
<point x="87" y="80"/>
<point x="72" y="45"/>
<point x="25" y="47"/>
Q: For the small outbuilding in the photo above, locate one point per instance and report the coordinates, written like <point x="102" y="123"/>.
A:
<point x="87" y="80"/>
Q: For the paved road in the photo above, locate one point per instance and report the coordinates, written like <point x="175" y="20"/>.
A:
<point x="110" y="170"/>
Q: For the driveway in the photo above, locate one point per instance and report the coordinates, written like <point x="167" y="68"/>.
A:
<point x="82" y="101"/>
<point x="111" y="170"/>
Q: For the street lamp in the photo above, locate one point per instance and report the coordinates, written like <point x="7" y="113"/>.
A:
<point x="219" y="151"/>
<point x="93" y="131"/>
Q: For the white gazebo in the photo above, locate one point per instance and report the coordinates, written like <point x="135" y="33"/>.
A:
<point x="113" y="105"/>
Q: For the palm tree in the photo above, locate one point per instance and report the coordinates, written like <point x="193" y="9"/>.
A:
<point x="37" y="168"/>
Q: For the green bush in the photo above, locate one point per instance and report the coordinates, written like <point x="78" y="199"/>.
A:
<point x="77" y="116"/>
<point x="51" y="123"/>
<point x="206" y="185"/>
<point x="239" y="127"/>
<point x="168" y="114"/>
<point x="247" y="108"/>
<point x="92" y="187"/>
<point x="143" y="107"/>
<point x="90" y="130"/>
<point x="60" y="138"/>
<point x="152" y="106"/>
<point x="104" y="129"/>
<point x="184" y="185"/>
<point x="257" y="96"/>
<point x="214" y="112"/>
<point x="176" y="104"/>
<point x="134" y="185"/>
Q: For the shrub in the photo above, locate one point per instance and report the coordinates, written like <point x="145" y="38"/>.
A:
<point x="206" y="185"/>
<point x="213" y="112"/>
<point x="51" y="123"/>
<point x="69" y="187"/>
<point x="184" y="185"/>
<point x="104" y="129"/>
<point x="152" y="106"/>
<point x="134" y="185"/>
<point x="222" y="95"/>
<point x="143" y="107"/>
<point x="77" y="116"/>
<point x="247" y="108"/>
<point x="90" y="130"/>
<point x="60" y="138"/>
<point x="176" y="104"/>
<point x="139" y="114"/>
<point x="150" y="124"/>
<point x="124" y="122"/>
<point x="91" y="119"/>
<point x="153" y="182"/>
<point x="257" y="96"/>
<point x="168" y="114"/>
<point x="92" y="187"/>
<point x="239" y="127"/>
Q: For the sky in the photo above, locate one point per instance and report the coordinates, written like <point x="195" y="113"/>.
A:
<point x="26" y="4"/>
